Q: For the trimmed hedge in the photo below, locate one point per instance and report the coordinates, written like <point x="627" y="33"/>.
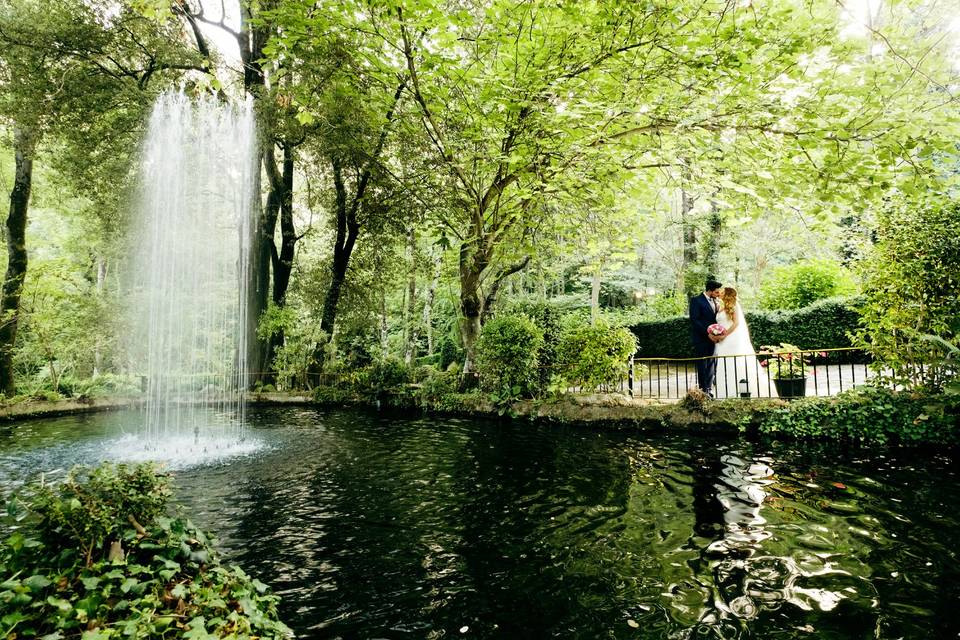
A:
<point x="822" y="325"/>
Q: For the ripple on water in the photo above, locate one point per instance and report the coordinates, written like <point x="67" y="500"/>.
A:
<point x="372" y="526"/>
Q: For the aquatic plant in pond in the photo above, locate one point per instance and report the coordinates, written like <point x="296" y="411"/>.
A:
<point x="191" y="270"/>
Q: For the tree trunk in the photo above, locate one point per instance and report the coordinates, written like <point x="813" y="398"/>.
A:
<point x="473" y="264"/>
<point x="410" y="350"/>
<point x="595" y="294"/>
<point x="101" y="278"/>
<point x="23" y="147"/>
<point x="347" y="231"/>
<point x="281" y="261"/>
<point x="258" y="285"/>
<point x="251" y="39"/>
<point x="384" y="327"/>
<point x="688" y="279"/>
<point x="428" y="303"/>
<point x="711" y="251"/>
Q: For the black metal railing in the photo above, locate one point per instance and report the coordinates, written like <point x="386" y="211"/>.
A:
<point x="789" y="374"/>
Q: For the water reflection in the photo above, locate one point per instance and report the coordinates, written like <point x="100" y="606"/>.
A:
<point x="372" y="526"/>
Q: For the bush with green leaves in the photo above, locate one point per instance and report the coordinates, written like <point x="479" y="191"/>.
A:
<point x="549" y="319"/>
<point x="436" y="387"/>
<point x="593" y="356"/>
<point x="387" y="374"/>
<point x="94" y="557"/>
<point x="912" y="289"/>
<point x="869" y="414"/>
<point x="826" y="324"/>
<point x="294" y="359"/>
<point x="508" y="356"/>
<point x="801" y="284"/>
<point x="449" y="352"/>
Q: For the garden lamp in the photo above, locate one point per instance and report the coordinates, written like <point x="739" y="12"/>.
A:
<point x="744" y="387"/>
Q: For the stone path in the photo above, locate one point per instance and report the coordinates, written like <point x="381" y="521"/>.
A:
<point x="670" y="380"/>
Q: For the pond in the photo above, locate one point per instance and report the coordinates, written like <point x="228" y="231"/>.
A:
<point x="374" y="526"/>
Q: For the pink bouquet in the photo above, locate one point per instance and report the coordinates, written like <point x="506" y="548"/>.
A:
<point x="716" y="330"/>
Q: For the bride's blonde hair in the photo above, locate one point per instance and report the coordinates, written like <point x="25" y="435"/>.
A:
<point x="729" y="298"/>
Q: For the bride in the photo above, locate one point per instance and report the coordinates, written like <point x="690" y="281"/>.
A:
<point x="741" y="361"/>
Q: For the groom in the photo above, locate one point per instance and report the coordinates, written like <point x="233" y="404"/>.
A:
<point x="703" y="313"/>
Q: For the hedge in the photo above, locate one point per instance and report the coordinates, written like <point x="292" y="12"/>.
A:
<point x="823" y="325"/>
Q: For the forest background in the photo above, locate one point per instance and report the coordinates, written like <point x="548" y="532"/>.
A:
<point x="429" y="166"/>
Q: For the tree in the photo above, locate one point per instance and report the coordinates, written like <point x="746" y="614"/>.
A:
<point x="62" y="63"/>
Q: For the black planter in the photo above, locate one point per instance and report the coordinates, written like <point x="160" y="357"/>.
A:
<point x="791" y="387"/>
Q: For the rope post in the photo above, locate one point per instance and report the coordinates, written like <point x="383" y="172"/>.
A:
<point x="630" y="376"/>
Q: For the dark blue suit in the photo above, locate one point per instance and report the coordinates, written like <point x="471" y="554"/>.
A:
<point x="702" y="316"/>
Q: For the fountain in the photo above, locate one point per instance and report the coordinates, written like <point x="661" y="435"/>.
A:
<point x="190" y="276"/>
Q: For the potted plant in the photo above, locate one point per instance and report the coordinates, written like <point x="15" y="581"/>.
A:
<point x="788" y="366"/>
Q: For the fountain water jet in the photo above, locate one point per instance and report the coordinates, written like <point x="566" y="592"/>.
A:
<point x="191" y="272"/>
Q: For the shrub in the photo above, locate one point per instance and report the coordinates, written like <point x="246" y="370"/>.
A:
<point x="868" y="414"/>
<point x="437" y="387"/>
<point x="912" y="289"/>
<point x="508" y="356"/>
<point x="95" y="556"/>
<point x="449" y="352"/>
<point x="593" y="356"/>
<point x="295" y="358"/>
<point x="387" y="374"/>
<point x="801" y="284"/>
<point x="548" y="318"/>
<point x="823" y="325"/>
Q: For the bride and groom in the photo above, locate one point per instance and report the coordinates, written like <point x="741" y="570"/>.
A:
<point x="718" y="305"/>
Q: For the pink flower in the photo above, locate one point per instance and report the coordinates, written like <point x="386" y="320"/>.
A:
<point x="822" y="354"/>
<point x="763" y="363"/>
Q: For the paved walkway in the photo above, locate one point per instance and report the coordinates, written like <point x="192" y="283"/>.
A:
<point x="673" y="380"/>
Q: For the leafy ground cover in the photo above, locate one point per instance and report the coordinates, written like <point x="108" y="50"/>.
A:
<point x="96" y="557"/>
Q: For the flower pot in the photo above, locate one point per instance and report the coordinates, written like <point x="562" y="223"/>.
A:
<point x="791" y="387"/>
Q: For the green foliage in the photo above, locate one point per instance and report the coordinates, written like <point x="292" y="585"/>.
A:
<point x="823" y="325"/>
<point x="96" y="556"/>
<point x="102" y="385"/>
<point x="508" y="356"/>
<point x="549" y="319"/>
<point x="387" y="374"/>
<point x="801" y="284"/>
<point x="868" y="414"/>
<point x="667" y="304"/>
<point x="449" y="353"/>
<point x="437" y="387"/>
<point x="594" y="356"/>
<point x="295" y="357"/>
<point x="91" y="506"/>
<point x="912" y="287"/>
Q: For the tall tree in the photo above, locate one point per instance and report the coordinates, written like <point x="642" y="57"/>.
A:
<point x="66" y="62"/>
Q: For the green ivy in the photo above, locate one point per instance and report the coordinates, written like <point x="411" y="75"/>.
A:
<point x="868" y="414"/>
<point x="95" y="558"/>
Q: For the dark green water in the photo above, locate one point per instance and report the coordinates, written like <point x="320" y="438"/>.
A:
<point x="383" y="527"/>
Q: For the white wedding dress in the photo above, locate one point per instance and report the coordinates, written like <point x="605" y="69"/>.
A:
<point x="741" y="362"/>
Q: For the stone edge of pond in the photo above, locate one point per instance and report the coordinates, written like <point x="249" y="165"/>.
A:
<point x="597" y="411"/>
<point x="600" y="410"/>
<point x="52" y="408"/>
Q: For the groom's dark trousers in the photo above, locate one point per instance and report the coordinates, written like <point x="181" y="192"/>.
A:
<point x="702" y="316"/>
